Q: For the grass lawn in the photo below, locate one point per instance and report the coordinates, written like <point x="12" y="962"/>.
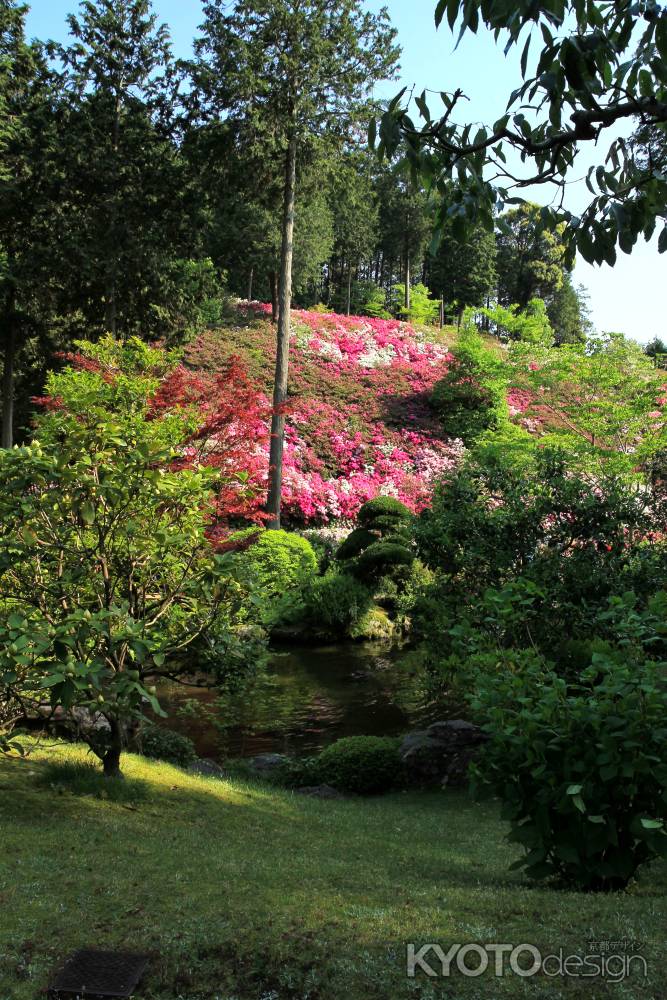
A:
<point x="242" y="892"/>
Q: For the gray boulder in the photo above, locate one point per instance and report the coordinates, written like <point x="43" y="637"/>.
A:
<point x="265" y="763"/>
<point x="320" y="792"/>
<point x="441" y="754"/>
<point x="207" y="768"/>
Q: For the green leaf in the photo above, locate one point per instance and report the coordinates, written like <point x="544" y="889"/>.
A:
<point x="652" y="824"/>
<point x="574" y="789"/>
<point x="662" y="241"/>
<point x="87" y="512"/>
<point x="440" y="11"/>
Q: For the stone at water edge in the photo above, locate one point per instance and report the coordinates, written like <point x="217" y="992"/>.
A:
<point x="207" y="768"/>
<point x="264" y="763"/>
<point x="320" y="792"/>
<point x="442" y="753"/>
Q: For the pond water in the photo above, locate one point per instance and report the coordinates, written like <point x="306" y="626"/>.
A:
<point x="308" y="697"/>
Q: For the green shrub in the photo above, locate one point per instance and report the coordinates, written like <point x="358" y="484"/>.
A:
<point x="355" y="543"/>
<point x="276" y="564"/>
<point x="373" y="625"/>
<point x="391" y="510"/>
<point x="166" y="744"/>
<point x="581" y="768"/>
<point x="470" y="399"/>
<point x="381" y="559"/>
<point x="337" y="601"/>
<point x="365" y="765"/>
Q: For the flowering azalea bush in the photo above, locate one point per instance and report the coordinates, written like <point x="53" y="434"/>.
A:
<point x="359" y="421"/>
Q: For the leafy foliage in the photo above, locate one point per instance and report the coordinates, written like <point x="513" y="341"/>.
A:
<point x="470" y="398"/>
<point x="364" y="765"/>
<point x="597" y="65"/>
<point x="108" y="574"/>
<point x="161" y="743"/>
<point x="581" y="767"/>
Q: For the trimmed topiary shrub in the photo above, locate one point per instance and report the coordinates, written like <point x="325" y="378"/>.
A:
<point x="165" y="744"/>
<point x="382" y="559"/>
<point x="391" y="510"/>
<point x="365" y="765"/>
<point x="276" y="564"/>
<point x="355" y="543"/>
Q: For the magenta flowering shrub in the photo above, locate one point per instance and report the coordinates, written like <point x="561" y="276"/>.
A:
<point x="359" y="423"/>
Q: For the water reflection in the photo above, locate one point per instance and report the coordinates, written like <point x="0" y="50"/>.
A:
<point x="309" y="697"/>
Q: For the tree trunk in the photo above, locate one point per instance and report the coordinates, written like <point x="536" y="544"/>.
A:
<point x="111" y="759"/>
<point x="250" y="277"/>
<point x="407" y="280"/>
<point x="273" y="284"/>
<point x="442" y="311"/>
<point x="282" y="352"/>
<point x="9" y="360"/>
<point x="349" y="288"/>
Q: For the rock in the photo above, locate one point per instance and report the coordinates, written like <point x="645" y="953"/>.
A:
<point x="264" y="763"/>
<point x="442" y="753"/>
<point x="320" y="792"/>
<point x="207" y="768"/>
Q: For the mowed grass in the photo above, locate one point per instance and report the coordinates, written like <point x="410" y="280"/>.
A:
<point x="244" y="892"/>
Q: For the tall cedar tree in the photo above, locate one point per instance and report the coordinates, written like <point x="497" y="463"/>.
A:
<point x="122" y="176"/>
<point x="295" y="71"/>
<point x="27" y="244"/>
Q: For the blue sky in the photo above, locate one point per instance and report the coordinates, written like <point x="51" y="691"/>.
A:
<point x="625" y="298"/>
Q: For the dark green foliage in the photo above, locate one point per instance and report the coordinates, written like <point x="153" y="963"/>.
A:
<point x="382" y="559"/>
<point x="383" y="507"/>
<point x="542" y="560"/>
<point x="463" y="272"/>
<point x="381" y="547"/>
<point x="581" y="768"/>
<point x="568" y="314"/>
<point x="470" y="399"/>
<point x="87" y="779"/>
<point x="336" y="601"/>
<point x="355" y="543"/>
<point x="364" y="765"/>
<point x="278" y="564"/>
<point x="160" y="743"/>
<point x="592" y="66"/>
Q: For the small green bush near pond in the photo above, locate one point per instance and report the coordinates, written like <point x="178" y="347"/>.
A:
<point x="365" y="765"/>
<point x="160" y="743"/>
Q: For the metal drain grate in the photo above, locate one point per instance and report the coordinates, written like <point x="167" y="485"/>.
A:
<point x="90" y="973"/>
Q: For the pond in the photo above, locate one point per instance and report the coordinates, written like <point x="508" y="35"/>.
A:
<point x="308" y="697"/>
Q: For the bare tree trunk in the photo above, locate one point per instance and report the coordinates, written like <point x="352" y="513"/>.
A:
<point x="8" y="362"/>
<point x="273" y="284"/>
<point x="282" y="352"/>
<point x="442" y="311"/>
<point x="349" y="287"/>
<point x="407" y="280"/>
<point x="250" y="277"/>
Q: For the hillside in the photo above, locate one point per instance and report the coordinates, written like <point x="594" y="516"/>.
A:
<point x="359" y="422"/>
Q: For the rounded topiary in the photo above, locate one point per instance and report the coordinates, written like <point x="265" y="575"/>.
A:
<point x="389" y="508"/>
<point x="365" y="765"/>
<point x="277" y="562"/>
<point x="355" y="543"/>
<point x="165" y="744"/>
<point x="382" y="558"/>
